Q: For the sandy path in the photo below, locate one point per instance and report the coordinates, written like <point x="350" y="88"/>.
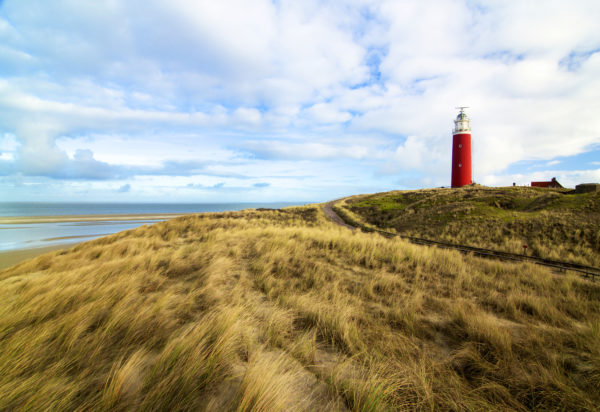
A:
<point x="328" y="209"/>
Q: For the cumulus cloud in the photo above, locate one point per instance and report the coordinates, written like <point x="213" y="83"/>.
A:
<point x="326" y="113"/>
<point x="49" y="161"/>
<point x="412" y="154"/>
<point x="364" y="85"/>
<point x="568" y="178"/>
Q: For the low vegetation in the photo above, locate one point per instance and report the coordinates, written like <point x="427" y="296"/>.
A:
<point x="282" y="310"/>
<point x="553" y="223"/>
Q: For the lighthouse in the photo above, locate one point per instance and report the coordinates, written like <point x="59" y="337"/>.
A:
<point x="461" y="150"/>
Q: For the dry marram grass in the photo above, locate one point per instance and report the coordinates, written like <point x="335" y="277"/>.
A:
<point x="554" y="224"/>
<point x="282" y="310"/>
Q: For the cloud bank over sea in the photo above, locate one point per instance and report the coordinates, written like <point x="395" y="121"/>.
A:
<point x="278" y="100"/>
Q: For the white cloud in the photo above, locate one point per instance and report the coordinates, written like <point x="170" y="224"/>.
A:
<point x="413" y="154"/>
<point x="248" y="116"/>
<point x="311" y="80"/>
<point x="568" y="178"/>
<point x="8" y="143"/>
<point x="527" y="26"/>
<point x="326" y="113"/>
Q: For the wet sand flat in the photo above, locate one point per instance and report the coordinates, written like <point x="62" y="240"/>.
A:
<point x="12" y="257"/>
<point x="10" y="220"/>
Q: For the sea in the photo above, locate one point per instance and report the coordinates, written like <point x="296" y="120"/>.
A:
<point x="35" y="235"/>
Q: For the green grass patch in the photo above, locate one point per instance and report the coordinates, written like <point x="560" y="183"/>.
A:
<point x="554" y="223"/>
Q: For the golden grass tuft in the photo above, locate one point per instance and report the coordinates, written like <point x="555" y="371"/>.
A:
<point x="282" y="310"/>
<point x="271" y="383"/>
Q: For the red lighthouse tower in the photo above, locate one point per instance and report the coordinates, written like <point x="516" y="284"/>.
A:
<point x="461" y="150"/>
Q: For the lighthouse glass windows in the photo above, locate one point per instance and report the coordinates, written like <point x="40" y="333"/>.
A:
<point x="462" y="126"/>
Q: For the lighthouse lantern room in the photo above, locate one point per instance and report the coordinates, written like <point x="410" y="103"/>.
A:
<point x="461" y="150"/>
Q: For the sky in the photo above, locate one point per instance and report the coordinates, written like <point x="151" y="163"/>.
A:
<point x="277" y="100"/>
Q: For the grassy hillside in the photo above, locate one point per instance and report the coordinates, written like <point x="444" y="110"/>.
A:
<point x="282" y="310"/>
<point x="555" y="224"/>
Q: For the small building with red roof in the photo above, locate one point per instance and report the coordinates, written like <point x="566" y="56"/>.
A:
<point x="551" y="184"/>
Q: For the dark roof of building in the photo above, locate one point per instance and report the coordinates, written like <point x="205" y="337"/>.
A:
<point x="552" y="183"/>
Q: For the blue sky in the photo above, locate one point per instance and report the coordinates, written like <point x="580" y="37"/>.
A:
<point x="219" y="101"/>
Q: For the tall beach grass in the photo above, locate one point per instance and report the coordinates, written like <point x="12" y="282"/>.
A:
<point x="282" y="310"/>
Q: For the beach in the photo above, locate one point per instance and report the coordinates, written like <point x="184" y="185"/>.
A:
<point x="29" y="229"/>
<point x="11" y="220"/>
<point x="25" y="237"/>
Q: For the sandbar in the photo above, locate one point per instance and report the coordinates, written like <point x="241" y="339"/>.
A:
<point x="21" y="220"/>
<point x="12" y="257"/>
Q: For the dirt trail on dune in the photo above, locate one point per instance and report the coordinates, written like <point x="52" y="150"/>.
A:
<point x="328" y="209"/>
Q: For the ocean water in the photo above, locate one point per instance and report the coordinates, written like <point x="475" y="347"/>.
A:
<point x="35" y="235"/>
<point x="62" y="209"/>
<point x="29" y="236"/>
